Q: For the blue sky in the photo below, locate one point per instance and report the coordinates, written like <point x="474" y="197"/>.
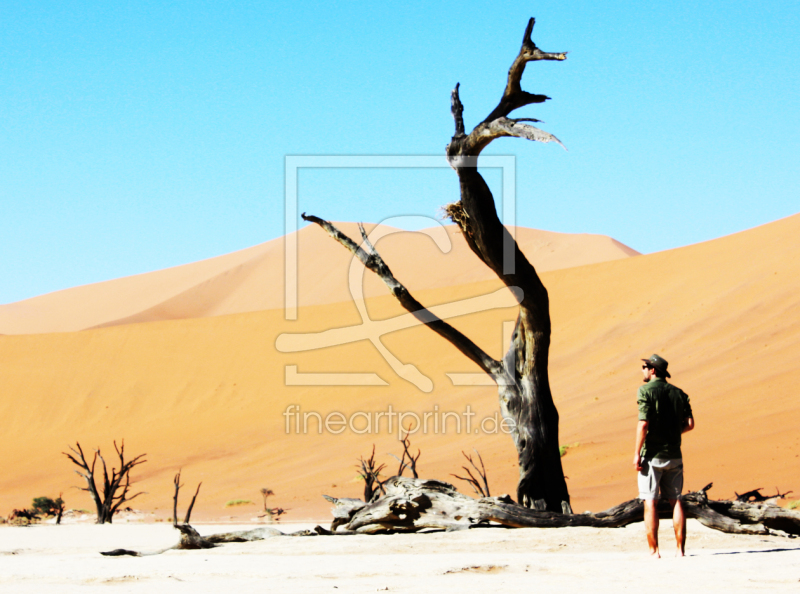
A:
<point x="138" y="136"/>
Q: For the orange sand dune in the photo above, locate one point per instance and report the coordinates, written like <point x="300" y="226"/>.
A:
<point x="209" y="395"/>
<point x="253" y="279"/>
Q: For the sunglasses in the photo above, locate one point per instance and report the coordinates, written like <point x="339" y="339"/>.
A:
<point x="646" y="366"/>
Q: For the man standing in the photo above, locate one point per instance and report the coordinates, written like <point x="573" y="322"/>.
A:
<point x="664" y="415"/>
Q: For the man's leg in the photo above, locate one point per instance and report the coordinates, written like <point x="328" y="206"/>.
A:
<point x="679" y="524"/>
<point x="651" y="525"/>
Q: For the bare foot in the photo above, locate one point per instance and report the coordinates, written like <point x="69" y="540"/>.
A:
<point x="655" y="554"/>
<point x="679" y="553"/>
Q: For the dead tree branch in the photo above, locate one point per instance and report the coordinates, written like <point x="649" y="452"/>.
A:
<point x="177" y="481"/>
<point x="480" y="487"/>
<point x="370" y="473"/>
<point x="372" y="260"/>
<point x="411" y="464"/>
<point x="755" y="495"/>
<point x="191" y="505"/>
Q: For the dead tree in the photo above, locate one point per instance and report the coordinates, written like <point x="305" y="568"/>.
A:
<point x="59" y="508"/>
<point x="480" y="487"/>
<point x="521" y="376"/>
<point x="178" y="485"/>
<point x="18" y="516"/>
<point x="408" y="460"/>
<point x="113" y="491"/>
<point x="266" y="493"/>
<point x="370" y="473"/>
<point x="274" y="513"/>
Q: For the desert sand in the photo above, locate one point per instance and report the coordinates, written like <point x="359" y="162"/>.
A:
<point x="203" y="386"/>
<point x="65" y="559"/>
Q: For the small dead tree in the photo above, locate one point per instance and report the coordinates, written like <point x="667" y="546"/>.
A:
<point x="59" y="508"/>
<point x="266" y="493"/>
<point x="178" y="485"/>
<point x="23" y="516"/>
<point x="274" y="513"/>
<point x="480" y="487"/>
<point x="370" y="473"/>
<point x="522" y="378"/>
<point x="113" y="490"/>
<point x="407" y="461"/>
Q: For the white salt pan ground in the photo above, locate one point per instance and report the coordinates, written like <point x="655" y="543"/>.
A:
<point x="65" y="559"/>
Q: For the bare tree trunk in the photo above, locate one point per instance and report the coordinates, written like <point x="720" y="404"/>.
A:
<point x="525" y="398"/>
<point x="523" y="384"/>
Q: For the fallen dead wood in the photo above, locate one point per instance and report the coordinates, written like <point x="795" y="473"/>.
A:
<point x="191" y="539"/>
<point x="414" y="505"/>
<point x="417" y="505"/>
<point x="755" y="495"/>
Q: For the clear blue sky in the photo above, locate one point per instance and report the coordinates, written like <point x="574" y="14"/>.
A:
<point x="137" y="136"/>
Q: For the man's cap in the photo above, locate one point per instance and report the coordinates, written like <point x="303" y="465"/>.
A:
<point x="659" y="363"/>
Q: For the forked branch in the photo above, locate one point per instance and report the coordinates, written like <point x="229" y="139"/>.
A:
<point x="513" y="98"/>
<point x="177" y="481"/>
<point x="411" y="462"/>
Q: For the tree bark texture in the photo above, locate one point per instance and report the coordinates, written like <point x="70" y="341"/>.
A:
<point x="522" y="378"/>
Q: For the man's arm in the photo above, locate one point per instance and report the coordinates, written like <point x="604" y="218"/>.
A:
<point x="641" y="433"/>
<point x="688" y="424"/>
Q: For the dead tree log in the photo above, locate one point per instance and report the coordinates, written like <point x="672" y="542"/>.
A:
<point x="113" y="491"/>
<point x="521" y="376"/>
<point x="191" y="540"/>
<point x="414" y="505"/>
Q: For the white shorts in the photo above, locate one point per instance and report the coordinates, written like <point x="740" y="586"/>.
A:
<point x="664" y="473"/>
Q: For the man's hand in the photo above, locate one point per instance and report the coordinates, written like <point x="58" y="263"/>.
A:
<point x="637" y="461"/>
<point x="641" y="433"/>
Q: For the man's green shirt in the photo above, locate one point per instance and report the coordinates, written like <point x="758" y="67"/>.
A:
<point x="665" y="408"/>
